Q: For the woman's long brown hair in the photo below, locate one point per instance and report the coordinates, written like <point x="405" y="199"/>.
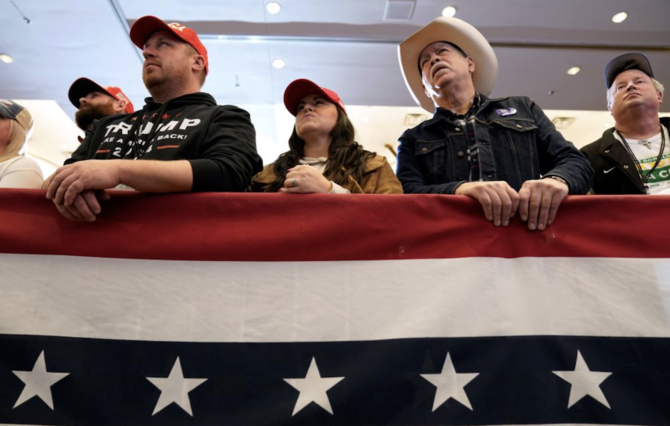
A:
<point x="346" y="157"/>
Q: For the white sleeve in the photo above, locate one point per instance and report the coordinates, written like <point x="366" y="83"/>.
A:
<point x="337" y="189"/>
<point x="21" y="173"/>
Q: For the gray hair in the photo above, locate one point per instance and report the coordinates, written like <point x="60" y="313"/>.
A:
<point x="610" y="92"/>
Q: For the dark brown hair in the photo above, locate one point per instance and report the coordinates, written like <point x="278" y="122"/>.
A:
<point x="346" y="157"/>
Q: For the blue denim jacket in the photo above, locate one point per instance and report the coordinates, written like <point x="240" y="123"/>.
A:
<point x="525" y="145"/>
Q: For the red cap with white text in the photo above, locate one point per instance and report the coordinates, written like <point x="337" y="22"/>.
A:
<point x="144" y="28"/>
<point x="302" y="87"/>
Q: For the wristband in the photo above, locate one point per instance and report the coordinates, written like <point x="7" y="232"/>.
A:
<point x="560" y="179"/>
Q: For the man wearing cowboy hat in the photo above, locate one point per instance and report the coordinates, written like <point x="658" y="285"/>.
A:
<point x="503" y="152"/>
<point x="632" y="157"/>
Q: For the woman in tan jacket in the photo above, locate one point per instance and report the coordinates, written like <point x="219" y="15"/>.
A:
<point x="323" y="156"/>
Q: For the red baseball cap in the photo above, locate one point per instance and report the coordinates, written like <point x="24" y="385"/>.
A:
<point x="302" y="87"/>
<point x="144" y="28"/>
<point x="83" y="86"/>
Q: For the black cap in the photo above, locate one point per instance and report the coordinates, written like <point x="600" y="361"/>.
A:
<point x="13" y="111"/>
<point x="627" y="61"/>
<point x="83" y="86"/>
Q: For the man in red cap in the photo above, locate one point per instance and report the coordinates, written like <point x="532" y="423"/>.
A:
<point x="94" y="102"/>
<point x="186" y="141"/>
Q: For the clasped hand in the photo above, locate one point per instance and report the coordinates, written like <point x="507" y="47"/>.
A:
<point x="78" y="188"/>
<point x="306" y="179"/>
<point x="536" y="202"/>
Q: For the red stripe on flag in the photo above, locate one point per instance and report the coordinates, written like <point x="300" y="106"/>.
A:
<point x="288" y="227"/>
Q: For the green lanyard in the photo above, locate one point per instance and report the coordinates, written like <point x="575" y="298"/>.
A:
<point x="639" y="166"/>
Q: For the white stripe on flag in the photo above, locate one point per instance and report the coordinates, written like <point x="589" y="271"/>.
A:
<point x="332" y="301"/>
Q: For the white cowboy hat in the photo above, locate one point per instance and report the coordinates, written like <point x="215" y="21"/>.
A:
<point x="455" y="31"/>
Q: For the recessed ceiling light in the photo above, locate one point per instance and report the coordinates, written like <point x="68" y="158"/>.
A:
<point x="449" y="11"/>
<point x="619" y="17"/>
<point x="273" y="7"/>
<point x="278" y="63"/>
<point x="6" y="58"/>
<point x="573" y="71"/>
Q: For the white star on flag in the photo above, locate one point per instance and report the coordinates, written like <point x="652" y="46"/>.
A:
<point x="38" y="382"/>
<point x="450" y="384"/>
<point x="313" y="388"/>
<point x="175" y="388"/>
<point x="584" y="382"/>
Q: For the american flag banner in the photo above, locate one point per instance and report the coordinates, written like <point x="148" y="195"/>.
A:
<point x="278" y="309"/>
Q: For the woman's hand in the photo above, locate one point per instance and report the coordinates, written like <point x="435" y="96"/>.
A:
<point x="306" y="180"/>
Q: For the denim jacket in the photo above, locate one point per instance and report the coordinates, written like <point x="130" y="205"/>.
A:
<point x="516" y="143"/>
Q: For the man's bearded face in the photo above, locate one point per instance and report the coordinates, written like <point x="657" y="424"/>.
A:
<point x="88" y="113"/>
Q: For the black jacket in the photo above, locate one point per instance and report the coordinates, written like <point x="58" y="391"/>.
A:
<point x="516" y="143"/>
<point x="616" y="171"/>
<point x="218" y="141"/>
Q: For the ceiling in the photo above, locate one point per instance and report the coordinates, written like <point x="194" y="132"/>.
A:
<point x="345" y="45"/>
